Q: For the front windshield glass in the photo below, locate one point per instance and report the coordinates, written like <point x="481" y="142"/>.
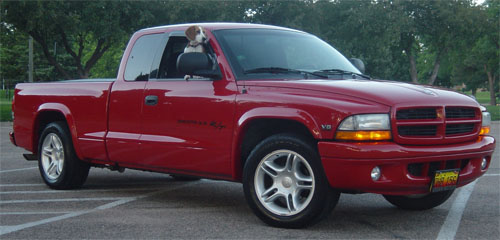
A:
<point x="257" y="53"/>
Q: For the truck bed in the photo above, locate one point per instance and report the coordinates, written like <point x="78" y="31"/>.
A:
<point x="82" y="102"/>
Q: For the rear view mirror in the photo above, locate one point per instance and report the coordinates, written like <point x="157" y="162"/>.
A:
<point x="199" y="64"/>
<point x="358" y="63"/>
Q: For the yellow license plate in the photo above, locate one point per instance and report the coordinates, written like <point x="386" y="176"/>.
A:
<point x="444" y="180"/>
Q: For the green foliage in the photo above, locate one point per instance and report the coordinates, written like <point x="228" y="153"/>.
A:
<point x="13" y="48"/>
<point x="359" y="29"/>
<point x="84" y="29"/>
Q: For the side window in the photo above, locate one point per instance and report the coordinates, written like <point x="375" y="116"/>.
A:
<point x="175" y="46"/>
<point x="140" y="59"/>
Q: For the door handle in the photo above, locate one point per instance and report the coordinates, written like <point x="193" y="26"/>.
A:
<point x="151" y="100"/>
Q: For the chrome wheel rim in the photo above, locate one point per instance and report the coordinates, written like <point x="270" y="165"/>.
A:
<point x="52" y="156"/>
<point x="284" y="183"/>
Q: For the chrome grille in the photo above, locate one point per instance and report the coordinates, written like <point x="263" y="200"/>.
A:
<point x="417" y="130"/>
<point x="460" y="112"/>
<point x="436" y="125"/>
<point x="459" y="128"/>
<point x="416" y="113"/>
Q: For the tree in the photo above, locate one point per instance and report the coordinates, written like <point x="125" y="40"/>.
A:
<point x="476" y="57"/>
<point x="367" y="30"/>
<point x="13" y="49"/>
<point x="488" y="47"/>
<point x="14" y="58"/>
<point x="75" y="26"/>
<point x="440" y="24"/>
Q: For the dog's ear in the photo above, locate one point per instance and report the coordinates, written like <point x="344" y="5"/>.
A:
<point x="191" y="33"/>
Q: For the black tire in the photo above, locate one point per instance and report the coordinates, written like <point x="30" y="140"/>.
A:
<point x="72" y="172"/>
<point x="312" y="204"/>
<point x="424" y="202"/>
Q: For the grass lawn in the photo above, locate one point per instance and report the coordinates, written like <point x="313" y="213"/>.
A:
<point x="5" y="110"/>
<point x="481" y="97"/>
<point x="494" y="111"/>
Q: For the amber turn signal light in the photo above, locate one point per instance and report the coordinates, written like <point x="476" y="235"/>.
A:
<point x="363" y="135"/>
<point x="484" y="130"/>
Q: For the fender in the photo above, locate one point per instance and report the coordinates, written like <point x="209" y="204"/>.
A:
<point x="297" y="115"/>
<point x="284" y="113"/>
<point x="64" y="110"/>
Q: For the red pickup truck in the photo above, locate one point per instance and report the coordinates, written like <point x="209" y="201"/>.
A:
<point x="277" y="109"/>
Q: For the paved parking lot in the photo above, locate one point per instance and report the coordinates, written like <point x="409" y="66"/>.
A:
<point x="147" y="205"/>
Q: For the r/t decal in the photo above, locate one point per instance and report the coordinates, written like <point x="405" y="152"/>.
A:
<point x="214" y="124"/>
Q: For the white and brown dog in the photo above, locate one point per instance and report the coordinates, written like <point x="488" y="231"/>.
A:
<point x="196" y="36"/>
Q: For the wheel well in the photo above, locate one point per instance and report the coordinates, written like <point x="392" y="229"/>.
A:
<point x="260" y="129"/>
<point x="43" y="119"/>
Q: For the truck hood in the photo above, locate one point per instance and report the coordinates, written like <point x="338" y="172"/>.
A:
<point x="388" y="93"/>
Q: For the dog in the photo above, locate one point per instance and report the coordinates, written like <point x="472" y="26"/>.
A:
<point x="197" y="38"/>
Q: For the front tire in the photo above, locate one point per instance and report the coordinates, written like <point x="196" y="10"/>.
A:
<point x="424" y="202"/>
<point x="58" y="164"/>
<point x="284" y="183"/>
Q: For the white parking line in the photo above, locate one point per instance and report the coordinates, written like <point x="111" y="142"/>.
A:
<point x="21" y="185"/>
<point x="80" y="191"/>
<point x="17" y="170"/>
<point x="155" y="183"/>
<point x="10" y="229"/>
<point x="450" y="226"/>
<point x="31" y="213"/>
<point x="61" y="200"/>
<point x="491" y="174"/>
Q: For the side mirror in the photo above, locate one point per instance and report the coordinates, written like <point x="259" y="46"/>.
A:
<point x="199" y="64"/>
<point x="358" y="63"/>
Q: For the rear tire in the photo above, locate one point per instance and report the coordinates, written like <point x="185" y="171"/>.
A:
<point x="424" y="202"/>
<point x="58" y="164"/>
<point x="285" y="184"/>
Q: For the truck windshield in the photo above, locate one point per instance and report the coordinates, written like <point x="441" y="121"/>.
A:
<point x="280" y="54"/>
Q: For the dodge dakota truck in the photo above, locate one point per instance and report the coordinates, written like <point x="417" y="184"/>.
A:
<point x="276" y="109"/>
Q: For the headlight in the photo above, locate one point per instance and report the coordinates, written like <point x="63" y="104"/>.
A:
<point x="365" y="127"/>
<point x="485" y="126"/>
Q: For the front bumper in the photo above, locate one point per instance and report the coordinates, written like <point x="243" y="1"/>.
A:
<point x="348" y="165"/>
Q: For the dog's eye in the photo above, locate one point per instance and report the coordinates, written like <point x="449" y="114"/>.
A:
<point x="197" y="31"/>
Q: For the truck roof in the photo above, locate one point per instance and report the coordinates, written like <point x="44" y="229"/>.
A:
<point x="215" y="26"/>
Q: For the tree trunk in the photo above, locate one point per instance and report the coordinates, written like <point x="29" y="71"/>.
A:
<point x="435" y="71"/>
<point x="84" y="75"/>
<point x="47" y="54"/>
<point x="491" y="81"/>
<point x="413" y="68"/>
<point x="473" y="92"/>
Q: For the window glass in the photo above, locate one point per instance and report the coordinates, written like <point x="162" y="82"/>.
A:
<point x="140" y="59"/>
<point x="250" y="49"/>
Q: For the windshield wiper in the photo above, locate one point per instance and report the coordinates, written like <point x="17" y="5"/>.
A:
<point x="341" y="71"/>
<point x="279" y="70"/>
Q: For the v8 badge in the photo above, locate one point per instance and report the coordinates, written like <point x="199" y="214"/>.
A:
<point x="326" y="127"/>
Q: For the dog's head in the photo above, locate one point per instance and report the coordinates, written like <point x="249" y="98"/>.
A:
<point x="196" y="34"/>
